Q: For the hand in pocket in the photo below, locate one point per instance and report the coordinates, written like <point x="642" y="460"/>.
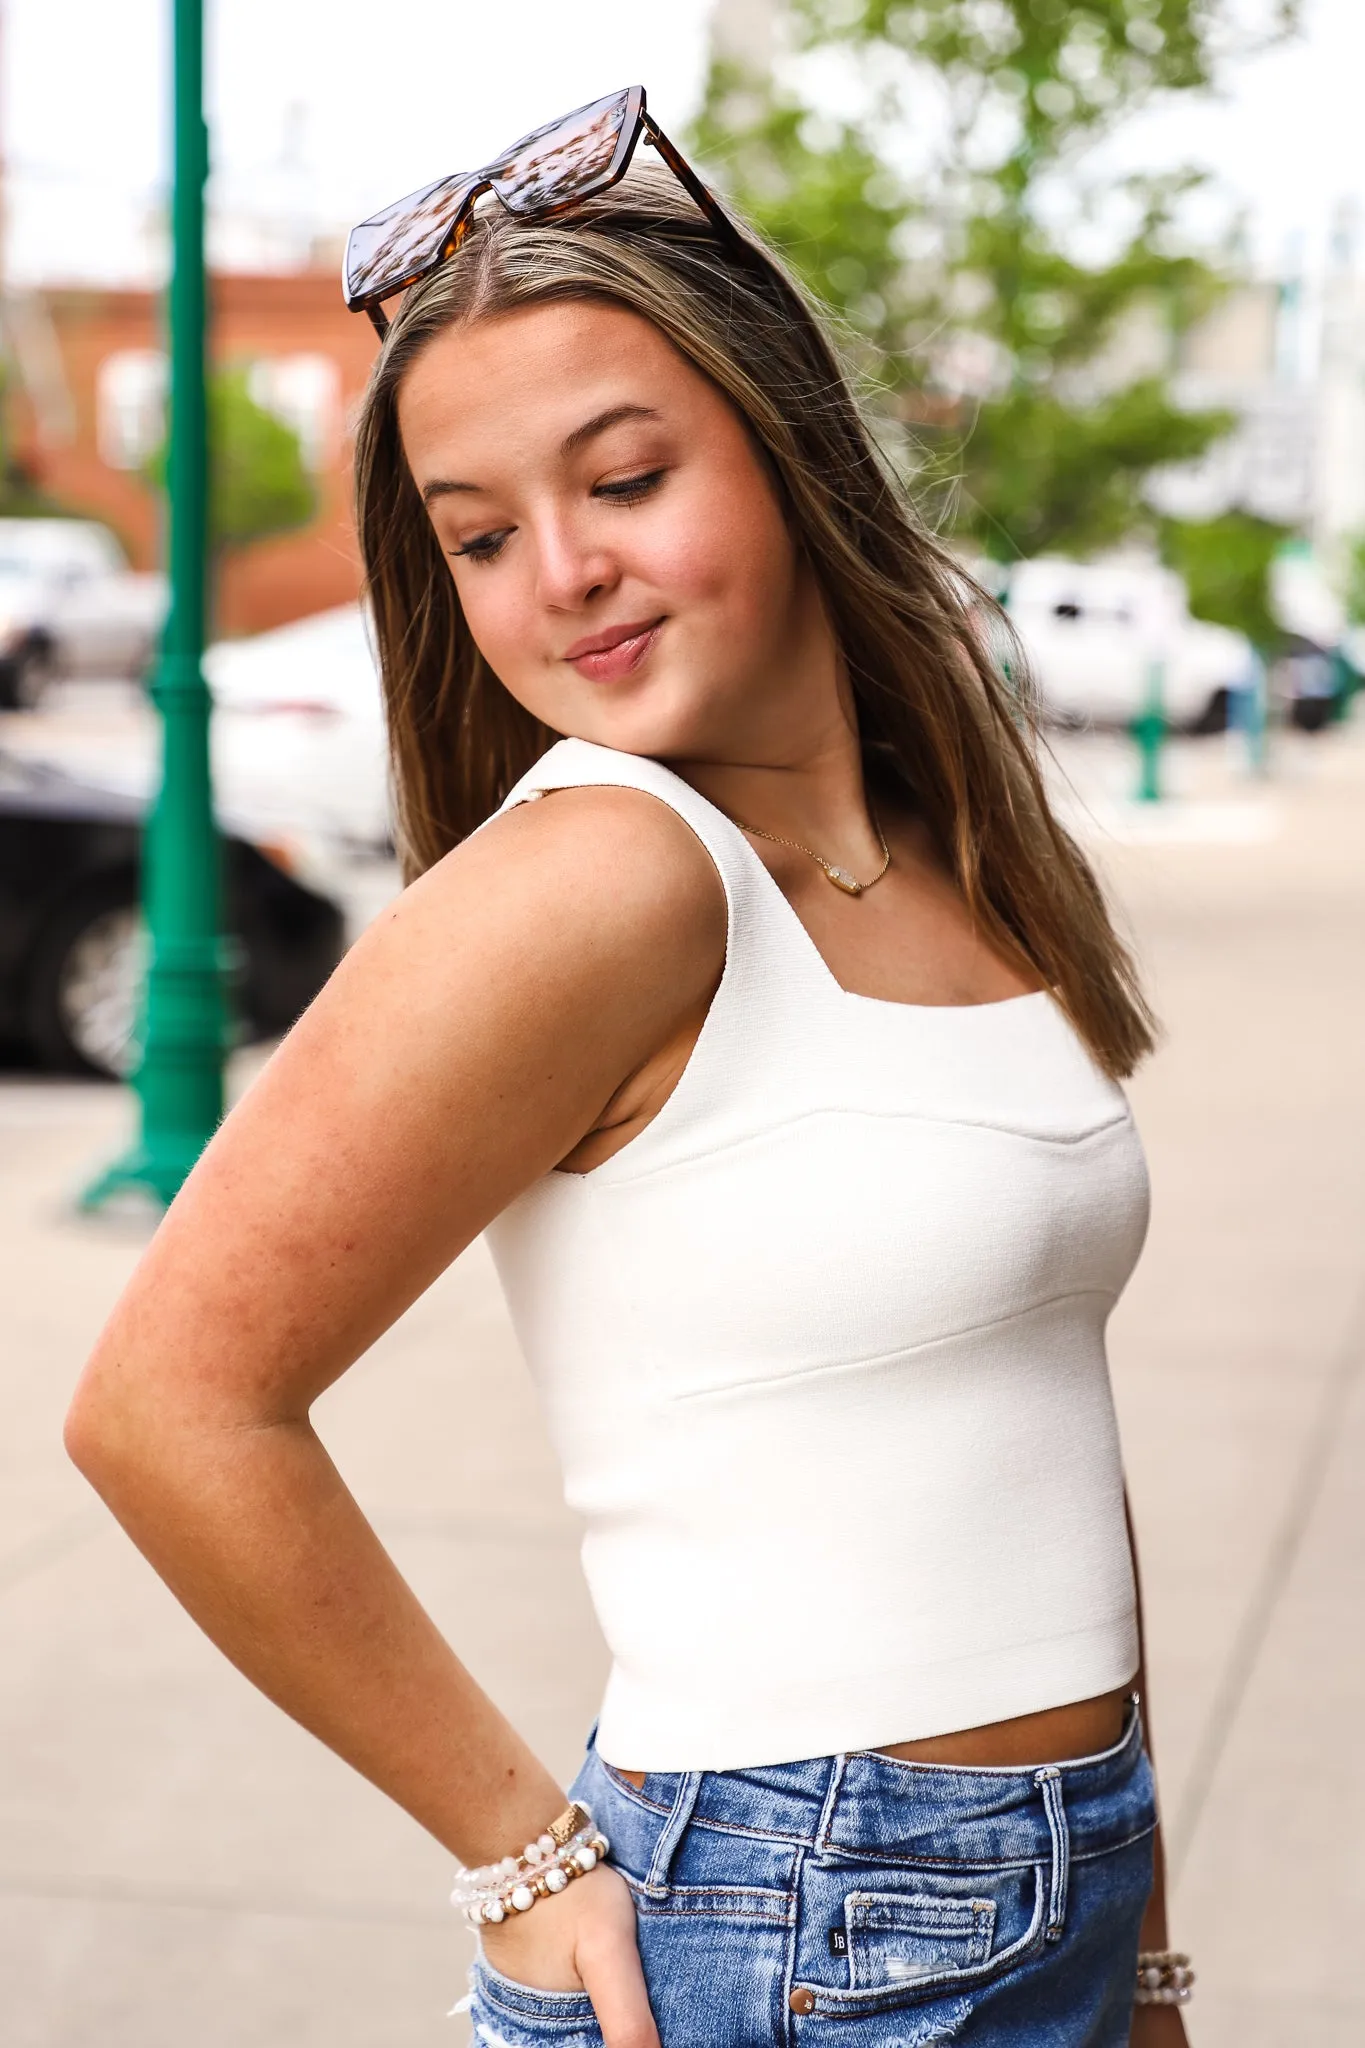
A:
<point x="583" y="1940"/>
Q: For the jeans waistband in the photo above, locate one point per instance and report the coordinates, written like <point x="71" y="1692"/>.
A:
<point x="864" y="1804"/>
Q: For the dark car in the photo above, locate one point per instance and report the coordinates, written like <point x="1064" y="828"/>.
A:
<point x="71" y="942"/>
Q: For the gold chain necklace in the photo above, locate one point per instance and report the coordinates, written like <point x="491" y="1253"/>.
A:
<point x="840" y="877"/>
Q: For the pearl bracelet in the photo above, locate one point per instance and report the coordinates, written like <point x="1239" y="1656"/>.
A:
<point x="1164" y="1977"/>
<point x="570" y="1847"/>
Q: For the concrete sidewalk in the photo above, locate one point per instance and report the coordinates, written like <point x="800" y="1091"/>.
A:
<point x="178" y="1863"/>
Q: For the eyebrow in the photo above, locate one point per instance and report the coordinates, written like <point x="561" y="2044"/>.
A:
<point x="614" y="415"/>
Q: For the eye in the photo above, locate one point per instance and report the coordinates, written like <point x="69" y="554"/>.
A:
<point x="484" y="547"/>
<point x="628" y="490"/>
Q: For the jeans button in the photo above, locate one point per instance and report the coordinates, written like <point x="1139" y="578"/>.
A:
<point x="802" y="2000"/>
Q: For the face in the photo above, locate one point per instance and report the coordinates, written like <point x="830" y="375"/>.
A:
<point x="620" y="555"/>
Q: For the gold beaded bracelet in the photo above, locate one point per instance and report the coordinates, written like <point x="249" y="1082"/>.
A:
<point x="570" y="1847"/>
<point x="1164" y="1977"/>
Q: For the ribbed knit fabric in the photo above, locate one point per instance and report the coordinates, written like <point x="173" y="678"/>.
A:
<point x="822" y="1353"/>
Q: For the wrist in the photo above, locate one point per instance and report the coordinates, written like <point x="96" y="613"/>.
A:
<point x="570" y="1846"/>
<point x="521" y="1813"/>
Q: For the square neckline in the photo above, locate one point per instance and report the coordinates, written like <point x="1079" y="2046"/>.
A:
<point x="853" y="995"/>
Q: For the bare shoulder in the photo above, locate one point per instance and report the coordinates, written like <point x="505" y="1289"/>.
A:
<point x="610" y="878"/>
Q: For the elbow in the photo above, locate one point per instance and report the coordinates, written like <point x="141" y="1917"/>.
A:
<point x="101" y="1433"/>
<point x="86" y="1433"/>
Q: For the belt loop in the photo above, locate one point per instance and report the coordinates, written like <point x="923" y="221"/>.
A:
<point x="1049" y="1783"/>
<point x="672" y="1832"/>
<point x="838" y="1766"/>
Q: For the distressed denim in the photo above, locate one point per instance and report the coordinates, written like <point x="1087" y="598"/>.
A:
<point x="856" y="1900"/>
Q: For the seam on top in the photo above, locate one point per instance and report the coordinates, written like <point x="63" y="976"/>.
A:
<point x="779" y="1122"/>
<point x="809" y="1372"/>
<point x="758" y="885"/>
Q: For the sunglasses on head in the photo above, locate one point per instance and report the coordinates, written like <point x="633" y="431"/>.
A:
<point x="548" y="172"/>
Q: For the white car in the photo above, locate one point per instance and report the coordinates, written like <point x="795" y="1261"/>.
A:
<point x="1094" y="630"/>
<point x="298" y="730"/>
<point x="69" y="606"/>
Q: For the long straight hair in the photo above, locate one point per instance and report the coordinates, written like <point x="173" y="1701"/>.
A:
<point x="940" y="714"/>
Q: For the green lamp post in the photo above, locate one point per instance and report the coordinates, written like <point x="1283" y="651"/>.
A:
<point x="180" y="1081"/>
<point x="1149" y="730"/>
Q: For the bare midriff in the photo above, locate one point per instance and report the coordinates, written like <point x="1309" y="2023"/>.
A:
<point x="1058" y="1735"/>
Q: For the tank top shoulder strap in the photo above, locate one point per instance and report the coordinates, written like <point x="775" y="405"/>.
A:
<point x="774" y="980"/>
<point x="764" y="930"/>
<point x="575" y="764"/>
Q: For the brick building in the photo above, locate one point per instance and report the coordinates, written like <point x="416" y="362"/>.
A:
<point x="89" y="409"/>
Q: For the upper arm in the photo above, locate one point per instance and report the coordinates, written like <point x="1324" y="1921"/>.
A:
<point x="467" y="1042"/>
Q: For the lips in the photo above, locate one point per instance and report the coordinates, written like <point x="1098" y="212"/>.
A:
<point x="615" y="651"/>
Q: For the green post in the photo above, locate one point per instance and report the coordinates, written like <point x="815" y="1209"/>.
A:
<point x="1346" y="680"/>
<point x="1256" y="712"/>
<point x="1149" y="730"/>
<point x="180" y="1081"/>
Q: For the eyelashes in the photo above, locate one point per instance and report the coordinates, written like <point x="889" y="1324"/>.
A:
<point x="627" y="490"/>
<point x="485" y="547"/>
<point x="630" y="489"/>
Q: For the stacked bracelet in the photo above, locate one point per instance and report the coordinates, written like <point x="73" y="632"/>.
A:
<point x="1164" y="1977"/>
<point x="570" y="1847"/>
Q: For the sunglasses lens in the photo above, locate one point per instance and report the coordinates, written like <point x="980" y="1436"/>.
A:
<point x="405" y="238"/>
<point x="563" y="161"/>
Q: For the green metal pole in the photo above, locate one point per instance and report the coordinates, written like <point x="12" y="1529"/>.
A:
<point x="1256" y="713"/>
<point x="1149" y="730"/>
<point x="180" y="1082"/>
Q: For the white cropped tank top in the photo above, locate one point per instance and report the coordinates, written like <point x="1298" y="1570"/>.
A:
<point x="822" y="1354"/>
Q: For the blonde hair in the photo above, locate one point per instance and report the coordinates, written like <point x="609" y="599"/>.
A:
<point x="937" y="717"/>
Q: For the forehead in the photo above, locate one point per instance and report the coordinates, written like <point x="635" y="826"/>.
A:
<point x="520" y="381"/>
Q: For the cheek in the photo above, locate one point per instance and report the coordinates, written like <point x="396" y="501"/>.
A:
<point x="497" y="613"/>
<point x="728" y="552"/>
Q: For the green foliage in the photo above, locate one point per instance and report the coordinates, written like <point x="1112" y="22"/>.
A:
<point x="1355" y="581"/>
<point x="819" y="191"/>
<point x="1063" y="68"/>
<point x="1226" y="566"/>
<point x="1032" y="383"/>
<point x="21" y="497"/>
<point x="258" y="482"/>
<point x="1056" y="478"/>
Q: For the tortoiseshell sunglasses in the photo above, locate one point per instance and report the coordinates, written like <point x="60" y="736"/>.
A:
<point x="548" y="172"/>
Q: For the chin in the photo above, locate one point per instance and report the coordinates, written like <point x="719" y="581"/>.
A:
<point x="656" y="721"/>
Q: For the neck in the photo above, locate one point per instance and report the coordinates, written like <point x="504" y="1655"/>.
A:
<point x="813" y="791"/>
<point x="816" y="793"/>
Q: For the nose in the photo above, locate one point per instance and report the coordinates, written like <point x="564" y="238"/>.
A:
<point x="572" y="565"/>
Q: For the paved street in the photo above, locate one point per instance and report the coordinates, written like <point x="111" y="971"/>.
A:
<point x="180" y="1865"/>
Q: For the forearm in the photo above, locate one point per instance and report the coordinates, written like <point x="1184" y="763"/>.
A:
<point x="255" y="1533"/>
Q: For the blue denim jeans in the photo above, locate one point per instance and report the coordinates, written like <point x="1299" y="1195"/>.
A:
<point x="855" y="1900"/>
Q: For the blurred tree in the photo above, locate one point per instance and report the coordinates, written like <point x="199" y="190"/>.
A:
<point x="259" y="483"/>
<point x="1029" y="379"/>
<point x="1355" y="581"/>
<point x="1226" y="566"/>
<point x="21" y="496"/>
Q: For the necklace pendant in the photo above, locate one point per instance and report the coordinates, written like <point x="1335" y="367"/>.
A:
<point x="842" y="879"/>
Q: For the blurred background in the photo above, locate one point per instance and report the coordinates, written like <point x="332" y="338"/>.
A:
<point x="1101" y="267"/>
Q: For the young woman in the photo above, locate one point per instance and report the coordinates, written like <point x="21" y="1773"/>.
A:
<point x="778" y="1049"/>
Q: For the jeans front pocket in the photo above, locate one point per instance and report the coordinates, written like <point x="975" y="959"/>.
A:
<point x="505" y="2014"/>
<point x="922" y="1934"/>
<point x="902" y="1937"/>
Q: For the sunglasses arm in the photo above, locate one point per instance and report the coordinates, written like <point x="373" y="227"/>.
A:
<point x="691" y="183"/>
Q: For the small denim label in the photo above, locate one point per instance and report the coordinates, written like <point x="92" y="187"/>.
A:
<point x="838" y="1941"/>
